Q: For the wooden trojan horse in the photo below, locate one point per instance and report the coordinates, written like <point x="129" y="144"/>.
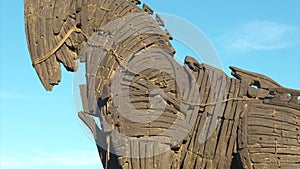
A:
<point x="155" y="113"/>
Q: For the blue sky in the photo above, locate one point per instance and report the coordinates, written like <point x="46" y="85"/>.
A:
<point x="40" y="129"/>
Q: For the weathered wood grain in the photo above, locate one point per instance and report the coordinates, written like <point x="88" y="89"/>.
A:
<point x="214" y="121"/>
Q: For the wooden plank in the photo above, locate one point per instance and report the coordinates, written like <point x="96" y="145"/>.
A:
<point x="159" y="20"/>
<point x="253" y="78"/>
<point x="268" y="158"/>
<point x="291" y="150"/>
<point x="198" y="162"/>
<point x="56" y="71"/>
<point x="199" y="140"/>
<point x="84" y="18"/>
<point x="148" y="9"/>
<point x="193" y="141"/>
<point x="207" y="88"/>
<point x="99" y="10"/>
<point x="134" y="146"/>
<point x="243" y="132"/>
<point x="259" y="166"/>
<point x="237" y="111"/>
<point x="127" y="9"/>
<point x="148" y="39"/>
<point x="269" y="122"/>
<point x="276" y="113"/>
<point x="282" y="104"/>
<point x="230" y="106"/>
<point x="44" y="75"/>
<point x="209" y="165"/>
<point x="132" y="9"/>
<point x="160" y="161"/>
<point x="142" y="149"/>
<point x="273" y="131"/>
<point x="60" y="15"/>
<point x="78" y="5"/>
<point x="222" y="139"/>
<point x="216" y="112"/>
<point x="199" y="78"/>
<point x="189" y="160"/>
<point x="266" y="140"/>
<point x="149" y="162"/>
<point x="169" y="36"/>
<point x="135" y="2"/>
<point x="83" y="96"/>
<point x="43" y="42"/>
<point x="285" y="110"/>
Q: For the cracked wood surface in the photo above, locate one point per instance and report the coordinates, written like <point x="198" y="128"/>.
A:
<point x="249" y="121"/>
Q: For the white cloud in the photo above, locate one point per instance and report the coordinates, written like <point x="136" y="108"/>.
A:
<point x="262" y="35"/>
<point x="37" y="160"/>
